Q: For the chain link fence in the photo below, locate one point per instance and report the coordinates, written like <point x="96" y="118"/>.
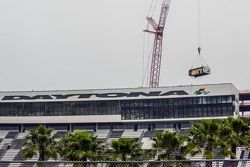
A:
<point x="174" y="163"/>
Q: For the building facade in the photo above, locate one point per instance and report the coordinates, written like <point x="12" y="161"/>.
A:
<point x="138" y="108"/>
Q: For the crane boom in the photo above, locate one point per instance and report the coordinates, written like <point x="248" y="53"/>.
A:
<point x="157" y="48"/>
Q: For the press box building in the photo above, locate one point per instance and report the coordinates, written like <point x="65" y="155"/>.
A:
<point x="114" y="109"/>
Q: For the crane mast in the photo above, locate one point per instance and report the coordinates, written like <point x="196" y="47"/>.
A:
<point x="157" y="48"/>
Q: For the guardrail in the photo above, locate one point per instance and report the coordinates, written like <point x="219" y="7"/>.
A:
<point x="170" y="163"/>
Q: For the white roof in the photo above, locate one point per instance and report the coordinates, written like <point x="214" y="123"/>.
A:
<point x="118" y="94"/>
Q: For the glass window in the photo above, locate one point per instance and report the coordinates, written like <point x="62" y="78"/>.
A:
<point x="181" y="113"/>
<point x="160" y="126"/>
<point x="215" y="111"/>
<point x="129" y="109"/>
<point x="176" y="112"/>
<point x="195" y="100"/>
<point x="205" y="112"/>
<point x="176" y="102"/>
<point x="200" y="100"/>
<point x="219" y="99"/>
<point x="189" y="101"/>
<point x="171" y="102"/>
<point x="229" y="99"/>
<point x="209" y="100"/>
<point x="185" y="101"/>
<point x="209" y="112"/>
<point x="199" y="111"/>
<point x="190" y="112"/>
<point x="194" y="110"/>
<point x="224" y="99"/>
<point x="214" y="99"/>
<point x="204" y="100"/>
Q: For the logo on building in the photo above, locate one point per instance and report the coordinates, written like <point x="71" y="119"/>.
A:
<point x="96" y="95"/>
<point x="202" y="91"/>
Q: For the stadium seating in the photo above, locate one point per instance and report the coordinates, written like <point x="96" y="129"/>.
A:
<point x="11" y="135"/>
<point x="10" y="154"/>
<point x="60" y="133"/>
<point x="132" y="134"/>
<point x="146" y="143"/>
<point x="151" y="133"/>
<point x="2" y="152"/>
<point x="3" y="134"/>
<point x="11" y="143"/>
<point x="116" y="134"/>
<point x="6" y="143"/>
<point x="102" y="134"/>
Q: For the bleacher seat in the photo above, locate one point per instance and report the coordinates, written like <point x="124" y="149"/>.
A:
<point x="6" y="143"/>
<point x="109" y="141"/>
<point x="3" y="134"/>
<point x="198" y="156"/>
<point x="18" y="143"/>
<point x="18" y="157"/>
<point x="245" y="155"/>
<point x="152" y="133"/>
<point x="60" y="134"/>
<point x="22" y="135"/>
<point x="4" y="164"/>
<point x="2" y="151"/>
<point x="11" y="135"/>
<point x="116" y="134"/>
<point x="132" y="134"/>
<point x="12" y="142"/>
<point x="218" y="155"/>
<point x="248" y="162"/>
<point x="10" y="154"/>
<point x="147" y="143"/>
<point x="102" y="134"/>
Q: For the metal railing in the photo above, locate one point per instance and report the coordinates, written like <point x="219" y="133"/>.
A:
<point x="171" y="163"/>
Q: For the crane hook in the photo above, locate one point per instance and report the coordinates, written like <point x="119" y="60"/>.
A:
<point x="199" y="50"/>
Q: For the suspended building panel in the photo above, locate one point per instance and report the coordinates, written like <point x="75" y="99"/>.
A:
<point x="199" y="71"/>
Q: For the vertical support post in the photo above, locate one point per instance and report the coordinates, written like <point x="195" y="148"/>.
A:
<point x="70" y="127"/>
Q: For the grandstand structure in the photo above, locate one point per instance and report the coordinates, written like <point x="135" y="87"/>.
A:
<point x="137" y="113"/>
<point x="118" y="109"/>
<point x="245" y="103"/>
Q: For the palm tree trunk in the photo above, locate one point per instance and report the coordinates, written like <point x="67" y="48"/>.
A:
<point x="233" y="150"/>
<point x="123" y="157"/>
<point x="41" y="156"/>
<point x="209" y="163"/>
<point x="41" y="153"/>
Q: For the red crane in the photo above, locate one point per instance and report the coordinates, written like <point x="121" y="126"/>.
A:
<point x="157" y="48"/>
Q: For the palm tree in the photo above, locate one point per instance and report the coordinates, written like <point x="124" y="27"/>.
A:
<point x="125" y="149"/>
<point x="167" y="143"/>
<point x="79" y="146"/>
<point x="227" y="137"/>
<point x="204" y="134"/>
<point x="239" y="135"/>
<point x="40" y="140"/>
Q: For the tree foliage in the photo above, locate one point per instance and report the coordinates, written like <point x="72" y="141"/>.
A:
<point x="125" y="149"/>
<point x="79" y="146"/>
<point x="167" y="143"/>
<point x="207" y="135"/>
<point x="204" y="134"/>
<point x="235" y="132"/>
<point x="40" y="141"/>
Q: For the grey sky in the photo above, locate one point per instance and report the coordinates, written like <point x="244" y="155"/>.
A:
<point x="80" y="44"/>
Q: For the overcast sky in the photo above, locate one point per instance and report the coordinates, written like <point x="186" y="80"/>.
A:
<point x="81" y="44"/>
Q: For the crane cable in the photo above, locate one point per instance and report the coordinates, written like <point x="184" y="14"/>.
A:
<point x="199" y="61"/>
<point x="149" y="51"/>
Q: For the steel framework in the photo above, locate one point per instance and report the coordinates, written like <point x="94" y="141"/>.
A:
<point x="157" y="48"/>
